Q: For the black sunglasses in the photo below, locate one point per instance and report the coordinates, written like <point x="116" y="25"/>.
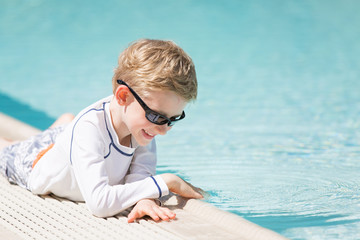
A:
<point x="151" y="115"/>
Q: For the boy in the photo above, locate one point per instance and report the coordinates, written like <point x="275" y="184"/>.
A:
<point x="106" y="156"/>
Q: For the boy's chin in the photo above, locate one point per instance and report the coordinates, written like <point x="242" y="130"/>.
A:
<point x="143" y="141"/>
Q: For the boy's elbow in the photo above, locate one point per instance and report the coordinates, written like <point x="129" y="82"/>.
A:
<point x="99" y="211"/>
<point x="103" y="208"/>
<point x="104" y="203"/>
<point x="99" y="214"/>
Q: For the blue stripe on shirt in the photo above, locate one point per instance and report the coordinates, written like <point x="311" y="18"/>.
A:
<point x="160" y="193"/>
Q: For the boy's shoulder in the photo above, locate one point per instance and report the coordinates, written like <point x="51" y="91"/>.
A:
<point x="95" y="113"/>
<point x="99" y="105"/>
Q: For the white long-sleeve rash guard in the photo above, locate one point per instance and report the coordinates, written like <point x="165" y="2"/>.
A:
<point x="87" y="163"/>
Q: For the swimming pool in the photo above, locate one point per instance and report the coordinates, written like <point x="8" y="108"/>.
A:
<point x="274" y="136"/>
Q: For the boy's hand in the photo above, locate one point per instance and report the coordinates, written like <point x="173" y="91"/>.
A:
<point x="150" y="208"/>
<point x="181" y="187"/>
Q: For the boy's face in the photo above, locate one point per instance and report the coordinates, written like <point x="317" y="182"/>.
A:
<point x="166" y="103"/>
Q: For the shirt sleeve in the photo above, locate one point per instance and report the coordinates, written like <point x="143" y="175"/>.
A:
<point x="143" y="164"/>
<point x="88" y="162"/>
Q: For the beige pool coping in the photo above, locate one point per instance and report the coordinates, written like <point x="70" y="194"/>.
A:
<point x="27" y="216"/>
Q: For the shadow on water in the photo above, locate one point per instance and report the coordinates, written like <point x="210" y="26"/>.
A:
<point x="24" y="113"/>
<point x="280" y="223"/>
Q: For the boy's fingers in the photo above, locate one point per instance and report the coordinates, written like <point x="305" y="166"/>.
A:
<point x="156" y="213"/>
<point x="131" y="219"/>
<point x="198" y="191"/>
<point x="153" y="214"/>
<point x="198" y="195"/>
<point x="168" y="212"/>
<point x="161" y="214"/>
<point x="165" y="213"/>
<point x="132" y="216"/>
<point x="188" y="191"/>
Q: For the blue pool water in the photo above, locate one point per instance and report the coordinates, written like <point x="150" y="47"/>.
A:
<point x="275" y="133"/>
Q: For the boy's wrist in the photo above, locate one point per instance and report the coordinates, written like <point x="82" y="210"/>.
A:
<point x="158" y="202"/>
<point x="170" y="180"/>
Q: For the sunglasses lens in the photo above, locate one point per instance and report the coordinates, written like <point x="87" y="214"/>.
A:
<point x="178" y="117"/>
<point x="152" y="117"/>
<point x="159" y="119"/>
<point x="156" y="118"/>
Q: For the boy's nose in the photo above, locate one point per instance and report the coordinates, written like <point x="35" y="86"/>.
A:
<point x="163" y="129"/>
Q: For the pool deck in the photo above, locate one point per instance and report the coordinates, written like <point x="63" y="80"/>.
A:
<point x="27" y="216"/>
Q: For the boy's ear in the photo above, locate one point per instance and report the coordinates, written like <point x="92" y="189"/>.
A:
<point x="122" y="94"/>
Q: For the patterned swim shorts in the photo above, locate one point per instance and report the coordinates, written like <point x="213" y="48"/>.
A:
<point x="16" y="160"/>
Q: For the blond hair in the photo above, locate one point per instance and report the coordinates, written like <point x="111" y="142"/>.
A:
<point x="157" y="65"/>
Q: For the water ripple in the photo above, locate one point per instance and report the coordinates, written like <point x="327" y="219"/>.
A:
<point x="309" y="194"/>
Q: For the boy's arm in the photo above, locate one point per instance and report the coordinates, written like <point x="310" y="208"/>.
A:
<point x="143" y="164"/>
<point x="88" y="163"/>
<point x="105" y="200"/>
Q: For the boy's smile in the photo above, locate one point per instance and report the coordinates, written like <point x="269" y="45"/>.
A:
<point x="148" y="134"/>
